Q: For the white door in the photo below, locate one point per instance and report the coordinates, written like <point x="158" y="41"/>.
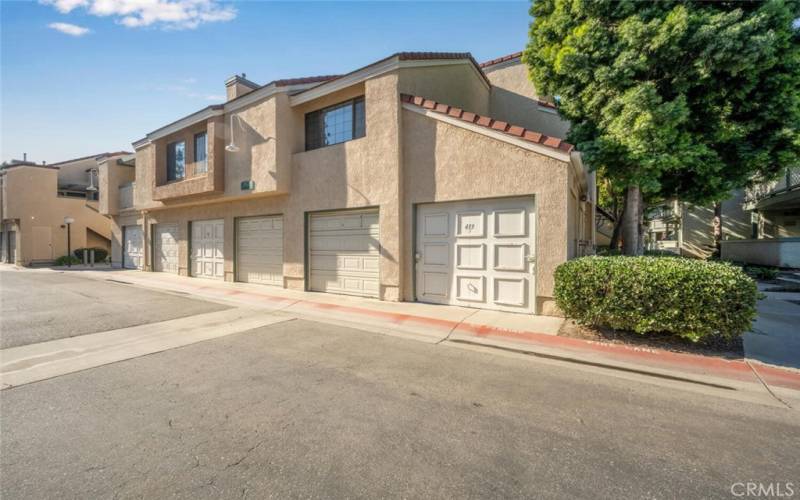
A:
<point x="208" y="242"/>
<point x="477" y="253"/>
<point x="165" y="248"/>
<point x="259" y="250"/>
<point x="344" y="248"/>
<point x="132" y="247"/>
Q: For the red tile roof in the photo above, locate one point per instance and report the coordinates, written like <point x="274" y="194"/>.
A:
<point x="488" y="122"/>
<point x="499" y="60"/>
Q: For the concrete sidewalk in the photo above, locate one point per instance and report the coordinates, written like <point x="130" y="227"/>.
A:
<point x="775" y="337"/>
<point x="532" y="335"/>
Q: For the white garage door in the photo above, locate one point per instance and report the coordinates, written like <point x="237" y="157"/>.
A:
<point x="208" y="241"/>
<point x="165" y="248"/>
<point x="132" y="247"/>
<point x="477" y="254"/>
<point x="343" y="253"/>
<point x="259" y="250"/>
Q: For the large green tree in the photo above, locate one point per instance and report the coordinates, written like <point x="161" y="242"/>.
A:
<point x="673" y="98"/>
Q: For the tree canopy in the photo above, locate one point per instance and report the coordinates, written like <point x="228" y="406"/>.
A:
<point x="687" y="99"/>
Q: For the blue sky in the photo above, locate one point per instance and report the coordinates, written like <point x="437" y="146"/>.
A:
<point x="68" y="92"/>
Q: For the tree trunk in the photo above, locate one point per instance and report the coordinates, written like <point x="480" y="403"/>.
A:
<point x="615" y="235"/>
<point x="631" y="222"/>
<point x="642" y="227"/>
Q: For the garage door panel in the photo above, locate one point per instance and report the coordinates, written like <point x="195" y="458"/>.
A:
<point x="508" y="223"/>
<point x="349" y="241"/>
<point x="435" y="284"/>
<point x="344" y="251"/>
<point x="470" y="256"/>
<point x="510" y="291"/>
<point x="436" y="224"/>
<point x="510" y="256"/>
<point x="436" y="254"/>
<point x="132" y="247"/>
<point x="165" y="240"/>
<point x="480" y="260"/>
<point x="470" y="224"/>
<point x="208" y="243"/>
<point x="259" y="247"/>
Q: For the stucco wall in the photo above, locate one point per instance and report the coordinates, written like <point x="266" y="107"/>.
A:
<point x="74" y="172"/>
<point x="697" y="230"/>
<point x="111" y="176"/>
<point x="736" y="222"/>
<point x="447" y="163"/>
<point x="404" y="159"/>
<point x="31" y="198"/>
<point x="765" y="252"/>
<point x="457" y="85"/>
<point x="513" y="99"/>
<point x="361" y="173"/>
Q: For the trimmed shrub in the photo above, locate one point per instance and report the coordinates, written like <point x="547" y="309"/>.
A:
<point x="693" y="299"/>
<point x="66" y="259"/>
<point x="100" y="254"/>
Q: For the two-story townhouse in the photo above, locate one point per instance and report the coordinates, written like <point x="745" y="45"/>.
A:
<point x="36" y="200"/>
<point x="420" y="177"/>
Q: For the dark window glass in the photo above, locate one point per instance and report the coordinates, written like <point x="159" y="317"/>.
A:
<point x="176" y="160"/>
<point x="200" y="153"/>
<point x="339" y="123"/>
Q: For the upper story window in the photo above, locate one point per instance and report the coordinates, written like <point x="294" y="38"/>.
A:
<point x="338" y="123"/>
<point x="200" y="153"/>
<point x="176" y="161"/>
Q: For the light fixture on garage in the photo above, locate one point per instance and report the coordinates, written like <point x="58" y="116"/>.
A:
<point x="232" y="147"/>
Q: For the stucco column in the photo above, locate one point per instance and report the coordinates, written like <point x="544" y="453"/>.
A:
<point x="383" y="119"/>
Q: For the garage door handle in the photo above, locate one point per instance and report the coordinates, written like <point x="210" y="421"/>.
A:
<point x="417" y="256"/>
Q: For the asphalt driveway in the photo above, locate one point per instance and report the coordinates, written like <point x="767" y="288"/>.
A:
<point x="37" y="307"/>
<point x="304" y="409"/>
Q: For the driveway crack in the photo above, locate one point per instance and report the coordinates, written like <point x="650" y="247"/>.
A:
<point x="766" y="386"/>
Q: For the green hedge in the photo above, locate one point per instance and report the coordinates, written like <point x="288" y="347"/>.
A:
<point x="66" y="259"/>
<point x="689" y="298"/>
<point x="100" y="254"/>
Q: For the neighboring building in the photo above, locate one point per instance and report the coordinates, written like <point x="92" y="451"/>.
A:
<point x="681" y="228"/>
<point x="769" y="223"/>
<point x="758" y="225"/>
<point x="35" y="199"/>
<point x="421" y="177"/>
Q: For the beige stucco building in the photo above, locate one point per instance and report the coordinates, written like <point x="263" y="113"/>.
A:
<point x="36" y="198"/>
<point x="420" y="177"/>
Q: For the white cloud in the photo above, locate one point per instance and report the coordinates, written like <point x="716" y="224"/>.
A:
<point x="69" y="29"/>
<point x="169" y="14"/>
